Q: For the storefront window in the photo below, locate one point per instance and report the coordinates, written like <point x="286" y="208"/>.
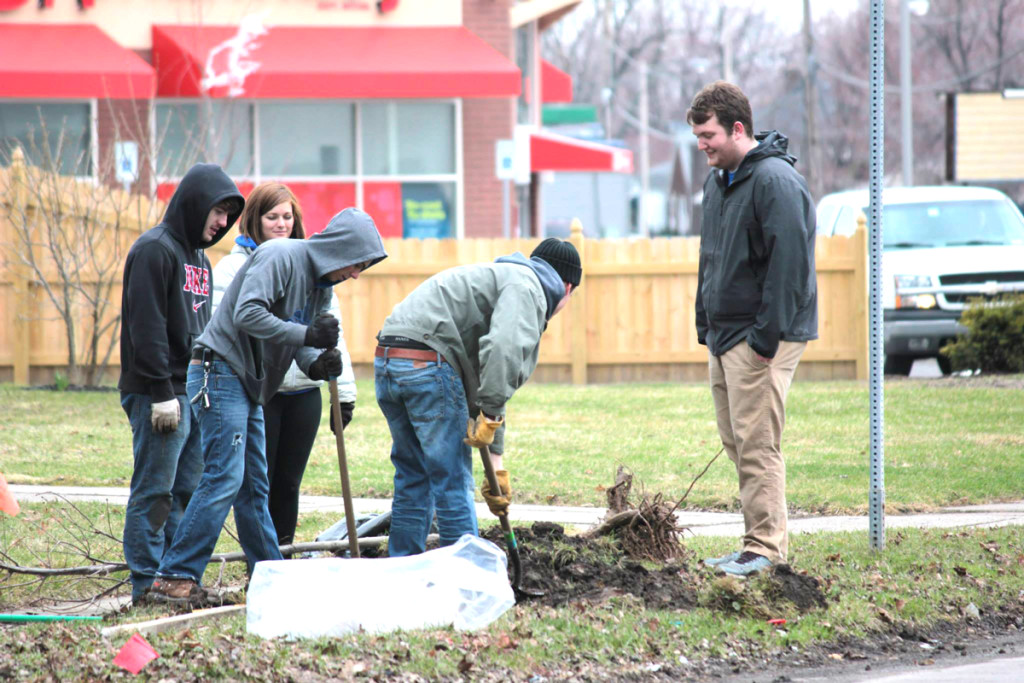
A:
<point x="307" y="138"/>
<point x="408" y="138"/>
<point x="407" y="178"/>
<point x="217" y="131"/>
<point x="52" y="135"/>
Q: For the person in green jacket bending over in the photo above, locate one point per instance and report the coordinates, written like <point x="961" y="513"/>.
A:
<point x="449" y="357"/>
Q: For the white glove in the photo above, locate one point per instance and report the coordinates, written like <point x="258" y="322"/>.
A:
<point x="166" y="416"/>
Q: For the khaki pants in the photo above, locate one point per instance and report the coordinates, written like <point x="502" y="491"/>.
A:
<point x="750" y="405"/>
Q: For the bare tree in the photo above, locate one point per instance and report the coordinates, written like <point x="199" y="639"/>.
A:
<point x="73" y="225"/>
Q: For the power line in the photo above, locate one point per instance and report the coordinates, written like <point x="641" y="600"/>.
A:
<point x="937" y="86"/>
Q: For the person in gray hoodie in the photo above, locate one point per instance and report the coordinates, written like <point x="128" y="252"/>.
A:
<point x="274" y="312"/>
<point x="757" y="305"/>
<point x="292" y="417"/>
<point x="451" y="354"/>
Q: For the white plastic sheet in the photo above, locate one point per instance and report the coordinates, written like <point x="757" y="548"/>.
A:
<point x="465" y="584"/>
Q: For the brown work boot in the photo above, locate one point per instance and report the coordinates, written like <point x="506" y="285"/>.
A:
<point x="183" y="592"/>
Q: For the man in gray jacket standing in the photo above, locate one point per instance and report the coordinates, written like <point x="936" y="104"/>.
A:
<point x="453" y="352"/>
<point x="233" y="373"/>
<point x="756" y="305"/>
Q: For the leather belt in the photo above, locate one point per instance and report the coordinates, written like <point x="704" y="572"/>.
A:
<point x="410" y="354"/>
<point x="201" y="353"/>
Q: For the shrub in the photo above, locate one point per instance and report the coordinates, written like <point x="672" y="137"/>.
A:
<point x="995" y="336"/>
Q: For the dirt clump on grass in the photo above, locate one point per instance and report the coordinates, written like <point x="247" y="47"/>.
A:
<point x="638" y="550"/>
<point x="569" y="568"/>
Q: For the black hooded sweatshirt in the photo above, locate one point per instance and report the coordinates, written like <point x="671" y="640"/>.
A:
<point x="165" y="300"/>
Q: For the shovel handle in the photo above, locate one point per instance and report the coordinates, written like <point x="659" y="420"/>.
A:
<point x="506" y="526"/>
<point x="346" y="490"/>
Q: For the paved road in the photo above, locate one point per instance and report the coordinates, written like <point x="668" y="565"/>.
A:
<point x="699" y="523"/>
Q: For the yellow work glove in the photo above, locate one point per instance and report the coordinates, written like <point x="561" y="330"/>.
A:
<point x="498" y="505"/>
<point x="480" y="432"/>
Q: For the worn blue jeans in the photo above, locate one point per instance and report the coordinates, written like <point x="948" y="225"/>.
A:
<point x="234" y="474"/>
<point x="425" y="406"/>
<point x="166" y="471"/>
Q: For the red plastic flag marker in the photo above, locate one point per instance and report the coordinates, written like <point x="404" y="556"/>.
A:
<point x="135" y="654"/>
<point x="7" y="502"/>
<point x="776" y="622"/>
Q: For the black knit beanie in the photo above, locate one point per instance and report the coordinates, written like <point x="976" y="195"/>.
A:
<point x="563" y="257"/>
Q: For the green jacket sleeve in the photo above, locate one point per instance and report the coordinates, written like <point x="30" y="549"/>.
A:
<point x="508" y="352"/>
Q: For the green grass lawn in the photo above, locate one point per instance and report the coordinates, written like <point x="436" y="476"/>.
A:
<point x="922" y="579"/>
<point x="945" y="443"/>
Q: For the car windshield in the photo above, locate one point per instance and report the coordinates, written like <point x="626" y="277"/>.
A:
<point x="947" y="224"/>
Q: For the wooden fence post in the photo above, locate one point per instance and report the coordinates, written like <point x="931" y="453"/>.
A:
<point x="579" y="311"/>
<point x="860" y="288"/>
<point x="21" y="283"/>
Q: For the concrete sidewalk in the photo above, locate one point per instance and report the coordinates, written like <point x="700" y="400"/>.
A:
<point x="699" y="523"/>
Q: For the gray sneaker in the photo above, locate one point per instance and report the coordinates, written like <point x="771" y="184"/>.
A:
<point x="716" y="561"/>
<point x="746" y="564"/>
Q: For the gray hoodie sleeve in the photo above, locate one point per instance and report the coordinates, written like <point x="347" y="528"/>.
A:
<point x="265" y="283"/>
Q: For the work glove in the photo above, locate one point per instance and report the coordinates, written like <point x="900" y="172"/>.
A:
<point x="498" y="505"/>
<point x="326" y="366"/>
<point x="323" y="333"/>
<point x="346" y="415"/>
<point x="480" y="432"/>
<point x="165" y="416"/>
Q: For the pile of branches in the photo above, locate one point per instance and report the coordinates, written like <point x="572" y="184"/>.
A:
<point x="647" y="529"/>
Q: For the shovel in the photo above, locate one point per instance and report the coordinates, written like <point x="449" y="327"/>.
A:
<point x="510" y="537"/>
<point x="346" y="491"/>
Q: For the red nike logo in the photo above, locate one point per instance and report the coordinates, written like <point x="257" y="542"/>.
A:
<point x="197" y="304"/>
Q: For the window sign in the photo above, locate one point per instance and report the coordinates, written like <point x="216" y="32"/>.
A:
<point x="426" y="210"/>
<point x="126" y="161"/>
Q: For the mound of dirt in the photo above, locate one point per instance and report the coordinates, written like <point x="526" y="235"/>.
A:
<point x="571" y="568"/>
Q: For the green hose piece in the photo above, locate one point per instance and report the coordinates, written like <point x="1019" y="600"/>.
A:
<point x="26" y="618"/>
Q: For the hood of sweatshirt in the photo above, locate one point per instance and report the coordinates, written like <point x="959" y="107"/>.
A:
<point x="202" y="188"/>
<point x="350" y="237"/>
<point x="550" y="281"/>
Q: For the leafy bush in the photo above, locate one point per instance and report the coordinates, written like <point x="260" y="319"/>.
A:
<point x="995" y="336"/>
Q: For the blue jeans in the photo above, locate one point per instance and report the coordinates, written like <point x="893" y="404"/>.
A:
<point x="235" y="473"/>
<point x="425" y="406"/>
<point x="166" y="471"/>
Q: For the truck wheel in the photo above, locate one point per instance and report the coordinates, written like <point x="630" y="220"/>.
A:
<point x="898" y="365"/>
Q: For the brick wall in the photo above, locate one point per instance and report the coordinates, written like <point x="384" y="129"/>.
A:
<point x="122" y="120"/>
<point x="483" y="122"/>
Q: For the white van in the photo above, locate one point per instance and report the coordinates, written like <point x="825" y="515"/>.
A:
<point x="941" y="247"/>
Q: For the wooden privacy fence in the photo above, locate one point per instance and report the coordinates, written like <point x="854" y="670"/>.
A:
<point x="632" y="319"/>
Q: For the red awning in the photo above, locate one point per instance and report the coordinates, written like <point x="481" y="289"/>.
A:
<point x="552" y="152"/>
<point x="69" y="60"/>
<point x="330" y="62"/>
<point x="555" y="84"/>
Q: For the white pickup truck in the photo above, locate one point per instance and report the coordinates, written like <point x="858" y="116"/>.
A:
<point x="942" y="246"/>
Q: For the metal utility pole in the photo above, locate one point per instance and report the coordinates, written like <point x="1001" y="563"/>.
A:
<point x="906" y="103"/>
<point x="876" y="494"/>
<point x="645" y="153"/>
<point x="812" y="166"/>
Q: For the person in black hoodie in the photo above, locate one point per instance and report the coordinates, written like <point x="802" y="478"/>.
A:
<point x="756" y="308"/>
<point x="165" y="304"/>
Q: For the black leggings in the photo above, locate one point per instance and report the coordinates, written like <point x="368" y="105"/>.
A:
<point x="291" y="421"/>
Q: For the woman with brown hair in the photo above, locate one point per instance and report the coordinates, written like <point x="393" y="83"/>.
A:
<point x="292" y="415"/>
